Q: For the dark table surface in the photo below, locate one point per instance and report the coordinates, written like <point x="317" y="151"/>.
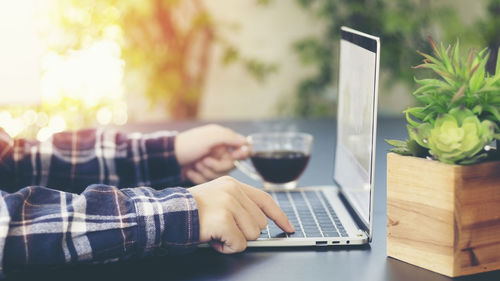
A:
<point x="310" y="263"/>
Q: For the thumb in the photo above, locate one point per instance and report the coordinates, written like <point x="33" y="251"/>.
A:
<point x="231" y="241"/>
<point x="240" y="153"/>
<point x="235" y="140"/>
<point x="227" y="137"/>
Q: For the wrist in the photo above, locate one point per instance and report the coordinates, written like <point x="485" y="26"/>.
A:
<point x="179" y="150"/>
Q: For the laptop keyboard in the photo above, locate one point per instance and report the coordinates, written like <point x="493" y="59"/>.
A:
<point x="310" y="213"/>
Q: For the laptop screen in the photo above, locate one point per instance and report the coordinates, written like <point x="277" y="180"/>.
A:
<point x="356" y="120"/>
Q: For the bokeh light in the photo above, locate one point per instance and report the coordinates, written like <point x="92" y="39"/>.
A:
<point x="80" y="86"/>
<point x="92" y="75"/>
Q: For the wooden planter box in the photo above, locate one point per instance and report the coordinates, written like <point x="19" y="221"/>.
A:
<point x="445" y="218"/>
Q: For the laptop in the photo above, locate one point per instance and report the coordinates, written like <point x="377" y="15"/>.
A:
<point x="340" y="213"/>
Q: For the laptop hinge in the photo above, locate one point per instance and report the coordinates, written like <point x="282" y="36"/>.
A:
<point x="361" y="225"/>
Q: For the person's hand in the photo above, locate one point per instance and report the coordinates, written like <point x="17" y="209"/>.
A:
<point x="231" y="212"/>
<point x="208" y="152"/>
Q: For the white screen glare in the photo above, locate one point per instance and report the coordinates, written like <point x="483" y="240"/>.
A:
<point x="355" y="119"/>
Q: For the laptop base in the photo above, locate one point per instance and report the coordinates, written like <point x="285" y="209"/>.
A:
<point x="319" y="217"/>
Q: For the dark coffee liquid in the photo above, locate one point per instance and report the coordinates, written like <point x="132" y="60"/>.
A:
<point x="280" y="166"/>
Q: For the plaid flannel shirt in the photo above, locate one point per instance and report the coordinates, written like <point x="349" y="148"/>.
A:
<point x="60" y="202"/>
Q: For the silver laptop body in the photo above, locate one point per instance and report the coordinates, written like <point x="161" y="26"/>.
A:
<point x="340" y="214"/>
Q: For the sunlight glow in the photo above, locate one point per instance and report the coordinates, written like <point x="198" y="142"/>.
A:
<point x="91" y="75"/>
<point x="13" y="126"/>
<point x="42" y="119"/>
<point x="29" y="117"/>
<point x="80" y="84"/>
<point x="104" y="116"/>
<point x="57" y="124"/>
<point x="120" y="116"/>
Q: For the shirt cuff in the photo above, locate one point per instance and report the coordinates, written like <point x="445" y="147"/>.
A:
<point x="163" y="167"/>
<point x="167" y="220"/>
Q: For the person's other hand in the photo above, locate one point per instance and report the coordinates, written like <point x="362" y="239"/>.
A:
<point x="231" y="212"/>
<point x="208" y="152"/>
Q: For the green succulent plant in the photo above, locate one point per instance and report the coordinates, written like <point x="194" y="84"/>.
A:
<point x="459" y="115"/>
<point x="457" y="137"/>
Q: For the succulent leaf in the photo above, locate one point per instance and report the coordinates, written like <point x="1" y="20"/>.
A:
<point x="459" y="136"/>
<point x="446" y="58"/>
<point x="432" y="59"/>
<point x="420" y="134"/>
<point x="474" y="159"/>
<point x="493" y="111"/>
<point x="410" y="121"/>
<point x="469" y="59"/>
<point x="407" y="148"/>
<point x="490" y="81"/>
<point x="459" y="94"/>
<point x="456" y="57"/>
<point x="434" y="46"/>
<point x="459" y="110"/>
<point x="396" y="143"/>
<point x="416" y="149"/>
<point x="495" y="100"/>
<point x="477" y="109"/>
<point x="401" y="150"/>
<point x="478" y="77"/>
<point x="460" y="114"/>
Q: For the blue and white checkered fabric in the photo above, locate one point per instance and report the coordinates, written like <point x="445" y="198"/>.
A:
<point x="60" y="202"/>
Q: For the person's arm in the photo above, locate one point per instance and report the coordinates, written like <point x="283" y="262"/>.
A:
<point x="70" y="161"/>
<point x="45" y="227"/>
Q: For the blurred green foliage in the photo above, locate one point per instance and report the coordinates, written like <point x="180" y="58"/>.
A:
<point x="402" y="26"/>
<point x="488" y="31"/>
<point x="166" y="44"/>
<point x="256" y="68"/>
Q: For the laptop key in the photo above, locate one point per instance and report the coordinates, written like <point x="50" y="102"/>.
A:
<point x="331" y="234"/>
<point x="324" y="219"/>
<point x="328" y="228"/>
<point x="313" y="234"/>
<point x="274" y="231"/>
<point x="310" y="213"/>
<point x="310" y="227"/>
<point x="328" y="225"/>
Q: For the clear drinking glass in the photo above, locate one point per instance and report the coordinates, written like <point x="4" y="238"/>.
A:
<point x="278" y="158"/>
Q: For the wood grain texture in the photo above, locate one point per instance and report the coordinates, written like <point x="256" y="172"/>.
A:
<point x="445" y="218"/>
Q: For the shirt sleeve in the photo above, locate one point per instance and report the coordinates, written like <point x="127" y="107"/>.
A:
<point x="71" y="161"/>
<point x="45" y="227"/>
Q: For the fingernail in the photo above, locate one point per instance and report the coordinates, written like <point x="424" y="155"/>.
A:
<point x="244" y="148"/>
<point x="240" y="152"/>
